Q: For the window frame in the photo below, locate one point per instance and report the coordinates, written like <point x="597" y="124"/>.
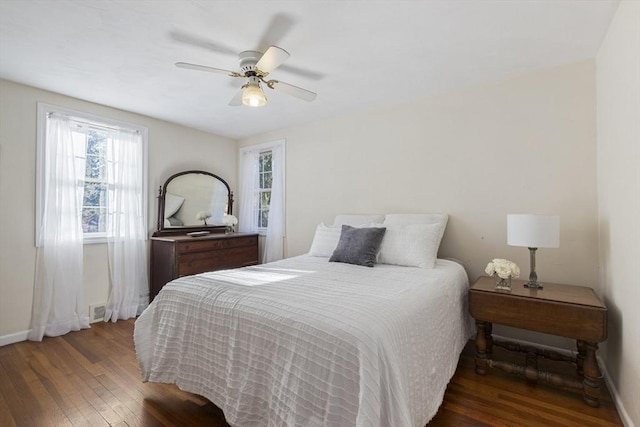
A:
<point x="43" y="110"/>
<point x="261" y="148"/>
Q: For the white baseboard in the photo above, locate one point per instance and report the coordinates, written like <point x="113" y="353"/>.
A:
<point x="615" y="396"/>
<point x="624" y="415"/>
<point x="13" y="338"/>
<point x="21" y="336"/>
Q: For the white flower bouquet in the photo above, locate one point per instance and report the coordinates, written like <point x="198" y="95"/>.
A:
<point x="229" y="220"/>
<point x="203" y="216"/>
<point x="503" y="268"/>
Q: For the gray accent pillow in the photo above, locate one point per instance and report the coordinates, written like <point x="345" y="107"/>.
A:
<point x="358" y="246"/>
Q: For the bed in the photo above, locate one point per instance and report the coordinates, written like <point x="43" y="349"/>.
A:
<point x="309" y="342"/>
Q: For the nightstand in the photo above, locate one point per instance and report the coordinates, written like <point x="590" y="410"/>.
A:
<point x="569" y="311"/>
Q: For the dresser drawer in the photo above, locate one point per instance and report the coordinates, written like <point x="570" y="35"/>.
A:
<point x="210" y="245"/>
<point x="201" y="262"/>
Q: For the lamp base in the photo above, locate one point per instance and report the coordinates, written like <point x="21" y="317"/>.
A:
<point x="533" y="285"/>
<point x="533" y="276"/>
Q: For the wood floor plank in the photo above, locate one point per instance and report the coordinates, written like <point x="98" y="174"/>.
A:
<point x="79" y="384"/>
<point x="33" y="394"/>
<point x="93" y="395"/>
<point x="53" y="394"/>
<point x="9" y="394"/>
<point x="91" y="377"/>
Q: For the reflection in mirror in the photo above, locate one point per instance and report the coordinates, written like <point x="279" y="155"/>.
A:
<point x="193" y="200"/>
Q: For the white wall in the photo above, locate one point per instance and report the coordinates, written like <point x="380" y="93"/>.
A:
<point x="523" y="145"/>
<point x="618" y="118"/>
<point x="172" y="148"/>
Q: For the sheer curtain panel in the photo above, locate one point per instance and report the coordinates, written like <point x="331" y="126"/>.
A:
<point x="274" y="242"/>
<point x="126" y="230"/>
<point x="58" y="305"/>
<point x="248" y="178"/>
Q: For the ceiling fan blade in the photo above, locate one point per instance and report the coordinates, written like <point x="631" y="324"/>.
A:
<point x="237" y="98"/>
<point x="292" y="90"/>
<point x="272" y="58"/>
<point x="279" y="25"/>
<point x="208" y="69"/>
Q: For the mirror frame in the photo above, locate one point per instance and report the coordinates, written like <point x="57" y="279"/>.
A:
<point x="161" y="230"/>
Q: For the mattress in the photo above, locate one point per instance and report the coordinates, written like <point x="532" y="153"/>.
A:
<point x="307" y="342"/>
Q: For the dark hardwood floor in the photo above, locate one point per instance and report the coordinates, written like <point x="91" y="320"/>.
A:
<point x="91" y="378"/>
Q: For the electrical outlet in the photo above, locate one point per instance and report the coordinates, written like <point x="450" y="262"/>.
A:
<point x="97" y="312"/>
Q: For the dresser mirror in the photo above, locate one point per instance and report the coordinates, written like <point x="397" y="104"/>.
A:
<point x="193" y="201"/>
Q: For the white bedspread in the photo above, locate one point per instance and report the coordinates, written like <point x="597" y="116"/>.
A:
<point x="306" y="342"/>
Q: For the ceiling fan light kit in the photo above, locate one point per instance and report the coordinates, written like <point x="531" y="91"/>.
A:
<point x="252" y="94"/>
<point x="255" y="66"/>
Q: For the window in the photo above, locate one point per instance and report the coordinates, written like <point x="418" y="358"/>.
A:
<point x="94" y="146"/>
<point x="261" y="168"/>
<point x="263" y="188"/>
<point x="92" y="183"/>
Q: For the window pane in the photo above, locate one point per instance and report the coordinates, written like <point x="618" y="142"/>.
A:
<point x="265" y="199"/>
<point x="267" y="179"/>
<point x="265" y="162"/>
<point x="263" y="219"/>
<point x="96" y="155"/>
<point x="95" y="194"/>
<point x="96" y="167"/>
<point x="94" y="220"/>
<point x="96" y="144"/>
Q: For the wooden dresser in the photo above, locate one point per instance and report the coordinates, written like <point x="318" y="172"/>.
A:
<point x="182" y="255"/>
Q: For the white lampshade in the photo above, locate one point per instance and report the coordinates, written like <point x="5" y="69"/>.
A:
<point x="533" y="231"/>
<point x="252" y="95"/>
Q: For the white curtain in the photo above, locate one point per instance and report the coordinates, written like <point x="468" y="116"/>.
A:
<point x="274" y="242"/>
<point x="58" y="305"/>
<point x="248" y="181"/>
<point x="126" y="233"/>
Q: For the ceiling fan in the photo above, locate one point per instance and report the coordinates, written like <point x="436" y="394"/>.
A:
<point x="255" y="66"/>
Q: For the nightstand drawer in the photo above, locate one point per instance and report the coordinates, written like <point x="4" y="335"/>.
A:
<point x="556" y="318"/>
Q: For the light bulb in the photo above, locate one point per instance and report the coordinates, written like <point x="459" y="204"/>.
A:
<point x="252" y="94"/>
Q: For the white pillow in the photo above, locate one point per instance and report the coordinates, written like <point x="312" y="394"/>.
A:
<point x="325" y="240"/>
<point x="414" y="245"/>
<point x="409" y="219"/>
<point x="171" y="204"/>
<point x="357" y="220"/>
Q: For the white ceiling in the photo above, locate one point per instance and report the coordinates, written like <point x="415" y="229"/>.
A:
<point x="357" y="55"/>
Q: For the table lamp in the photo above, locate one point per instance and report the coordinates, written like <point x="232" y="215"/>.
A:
<point x="533" y="232"/>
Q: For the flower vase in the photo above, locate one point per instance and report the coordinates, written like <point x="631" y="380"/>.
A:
<point x="502" y="284"/>
<point x="228" y="229"/>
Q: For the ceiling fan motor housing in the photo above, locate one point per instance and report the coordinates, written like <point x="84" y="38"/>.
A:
<point x="248" y="60"/>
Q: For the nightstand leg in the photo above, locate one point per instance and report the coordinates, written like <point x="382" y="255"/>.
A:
<point x="580" y="357"/>
<point x="488" y="331"/>
<point x="481" y="348"/>
<point x="592" y="375"/>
